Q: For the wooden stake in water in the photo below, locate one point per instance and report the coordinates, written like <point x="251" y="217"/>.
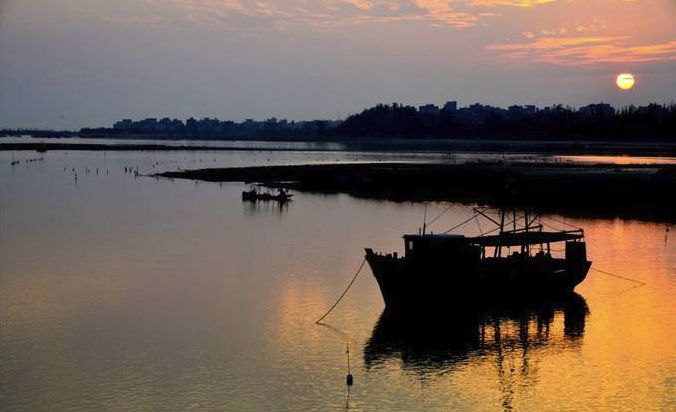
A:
<point x="350" y="379"/>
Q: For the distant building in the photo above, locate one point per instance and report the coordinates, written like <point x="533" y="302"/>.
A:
<point x="602" y="110"/>
<point x="451" y="106"/>
<point x="124" y="124"/>
<point x="147" y="125"/>
<point x="428" y="110"/>
<point x="477" y="113"/>
<point x="191" y="125"/>
<point x="516" y="111"/>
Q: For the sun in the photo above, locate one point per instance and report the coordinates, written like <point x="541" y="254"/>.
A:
<point x="625" y="81"/>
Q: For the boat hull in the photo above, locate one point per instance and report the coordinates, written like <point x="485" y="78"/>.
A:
<point x="407" y="283"/>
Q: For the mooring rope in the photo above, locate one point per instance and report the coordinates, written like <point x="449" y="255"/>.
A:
<point x="440" y="215"/>
<point x="639" y="282"/>
<point x="563" y="222"/>
<point x="479" y="225"/>
<point x="344" y="293"/>
<point x="461" y="224"/>
<point x="558" y="229"/>
<point x="318" y="321"/>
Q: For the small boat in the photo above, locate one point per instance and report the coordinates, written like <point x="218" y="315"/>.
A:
<point x="451" y="269"/>
<point x="250" y="194"/>
<point x="253" y="195"/>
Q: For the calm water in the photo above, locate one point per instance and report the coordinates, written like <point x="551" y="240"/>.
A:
<point x="124" y="293"/>
<point x="320" y="151"/>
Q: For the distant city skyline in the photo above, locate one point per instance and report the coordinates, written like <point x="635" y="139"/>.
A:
<point x="424" y="109"/>
<point x="66" y="64"/>
<point x="598" y="121"/>
<point x="165" y="123"/>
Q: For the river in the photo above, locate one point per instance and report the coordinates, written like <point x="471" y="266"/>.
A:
<point x="125" y="292"/>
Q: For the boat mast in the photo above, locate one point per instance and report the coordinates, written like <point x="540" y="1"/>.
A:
<point x="526" y="247"/>
<point x="498" y="250"/>
<point x="424" y="220"/>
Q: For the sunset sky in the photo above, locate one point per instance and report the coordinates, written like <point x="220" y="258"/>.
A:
<point x="73" y="63"/>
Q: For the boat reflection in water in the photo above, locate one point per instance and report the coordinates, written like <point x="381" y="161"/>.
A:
<point x="266" y="208"/>
<point x="435" y="344"/>
<point x="511" y="339"/>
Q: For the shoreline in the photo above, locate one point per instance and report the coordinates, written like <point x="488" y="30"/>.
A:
<point x="656" y="149"/>
<point x="642" y="192"/>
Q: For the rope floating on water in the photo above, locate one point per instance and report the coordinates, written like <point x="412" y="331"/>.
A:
<point x="639" y="282"/>
<point x="318" y="321"/>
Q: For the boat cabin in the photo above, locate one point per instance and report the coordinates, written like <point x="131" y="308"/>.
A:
<point x="519" y="244"/>
<point x="433" y="247"/>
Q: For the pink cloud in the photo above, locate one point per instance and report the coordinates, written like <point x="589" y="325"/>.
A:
<point x="512" y="3"/>
<point x="324" y="12"/>
<point x="585" y="50"/>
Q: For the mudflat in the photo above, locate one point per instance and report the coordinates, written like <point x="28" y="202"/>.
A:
<point x="628" y="191"/>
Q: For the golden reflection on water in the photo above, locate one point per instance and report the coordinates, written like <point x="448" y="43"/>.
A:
<point x="141" y="294"/>
<point x="619" y="160"/>
<point x="529" y="358"/>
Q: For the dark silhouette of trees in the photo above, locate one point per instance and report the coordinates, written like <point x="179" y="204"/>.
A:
<point x="592" y="122"/>
<point x="383" y="121"/>
<point x="595" y="121"/>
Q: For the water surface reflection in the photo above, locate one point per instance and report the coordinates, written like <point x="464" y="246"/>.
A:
<point x="435" y="343"/>
<point x="507" y="334"/>
<point x="124" y="293"/>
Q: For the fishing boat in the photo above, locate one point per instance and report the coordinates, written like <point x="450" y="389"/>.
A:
<point x="254" y="195"/>
<point x="514" y="260"/>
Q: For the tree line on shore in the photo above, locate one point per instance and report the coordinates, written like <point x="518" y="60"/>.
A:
<point x="599" y="121"/>
<point x="595" y="121"/>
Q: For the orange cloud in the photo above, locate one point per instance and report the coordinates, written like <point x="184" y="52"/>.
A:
<point x="257" y="14"/>
<point x="441" y="10"/>
<point x="360" y="4"/>
<point x="324" y="12"/>
<point x="585" y="50"/>
<point x="512" y="3"/>
<point x="433" y="6"/>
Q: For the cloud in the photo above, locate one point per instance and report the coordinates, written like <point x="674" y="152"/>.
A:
<point x="511" y="3"/>
<point x="442" y="11"/>
<point x="325" y="13"/>
<point x="248" y="16"/>
<point x="595" y="26"/>
<point x="360" y="4"/>
<point x="585" y="50"/>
